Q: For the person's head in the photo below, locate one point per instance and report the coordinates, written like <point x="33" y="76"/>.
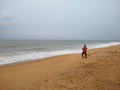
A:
<point x="84" y="45"/>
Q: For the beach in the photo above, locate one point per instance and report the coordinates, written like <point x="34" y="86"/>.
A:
<point x="100" y="71"/>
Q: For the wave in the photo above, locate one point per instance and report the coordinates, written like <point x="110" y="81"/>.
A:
<point x="101" y="45"/>
<point x="27" y="56"/>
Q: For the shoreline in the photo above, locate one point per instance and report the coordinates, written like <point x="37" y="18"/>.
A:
<point x="32" y="60"/>
<point x="100" y="71"/>
<point x="24" y="56"/>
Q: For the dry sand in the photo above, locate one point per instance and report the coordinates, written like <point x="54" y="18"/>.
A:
<point x="100" y="71"/>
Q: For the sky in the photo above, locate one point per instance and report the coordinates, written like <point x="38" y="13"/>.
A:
<point x="60" y="19"/>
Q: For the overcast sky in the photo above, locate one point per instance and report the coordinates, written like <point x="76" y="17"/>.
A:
<point x="60" y="19"/>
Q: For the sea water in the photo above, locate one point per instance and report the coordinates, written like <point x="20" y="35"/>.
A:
<point x="12" y="51"/>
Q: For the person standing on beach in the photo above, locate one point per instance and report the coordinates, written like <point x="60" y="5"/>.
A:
<point x="84" y="51"/>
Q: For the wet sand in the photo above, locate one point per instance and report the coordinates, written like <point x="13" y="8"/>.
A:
<point x="100" y="71"/>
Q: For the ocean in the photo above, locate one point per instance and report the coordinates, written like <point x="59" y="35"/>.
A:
<point x="12" y="51"/>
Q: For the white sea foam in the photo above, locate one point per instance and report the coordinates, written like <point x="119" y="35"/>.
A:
<point x="44" y="54"/>
<point x="101" y="45"/>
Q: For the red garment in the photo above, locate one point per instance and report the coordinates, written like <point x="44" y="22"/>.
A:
<point x="84" y="49"/>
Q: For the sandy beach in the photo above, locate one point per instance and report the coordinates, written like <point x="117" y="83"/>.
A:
<point x="100" y="71"/>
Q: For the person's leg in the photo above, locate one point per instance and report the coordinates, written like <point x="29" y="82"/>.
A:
<point x="85" y="54"/>
<point x="82" y="55"/>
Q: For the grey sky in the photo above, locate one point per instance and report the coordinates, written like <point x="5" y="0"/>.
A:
<point x="60" y="19"/>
